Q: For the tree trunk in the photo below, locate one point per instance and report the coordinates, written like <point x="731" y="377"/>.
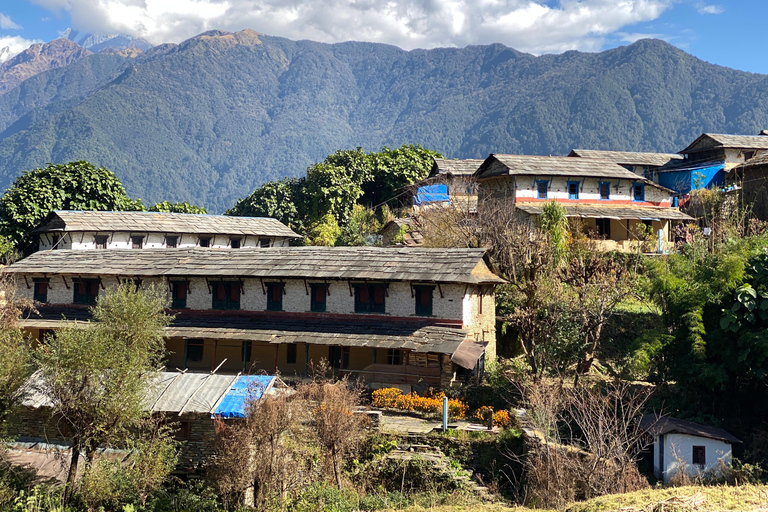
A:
<point x="72" y="473"/>
<point x="336" y="468"/>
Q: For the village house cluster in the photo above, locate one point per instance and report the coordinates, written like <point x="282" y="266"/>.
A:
<point x="247" y="302"/>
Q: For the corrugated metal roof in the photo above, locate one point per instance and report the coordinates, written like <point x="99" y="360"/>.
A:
<point x="179" y="393"/>
<point x="160" y="222"/>
<point x="464" y="266"/>
<point x="627" y="157"/>
<point x="608" y="212"/>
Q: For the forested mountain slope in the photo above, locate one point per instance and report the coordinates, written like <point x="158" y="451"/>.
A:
<point x="211" y="118"/>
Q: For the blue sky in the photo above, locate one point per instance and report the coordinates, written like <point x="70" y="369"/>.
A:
<point x="727" y="33"/>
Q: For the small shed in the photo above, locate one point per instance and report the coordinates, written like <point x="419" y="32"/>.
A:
<point x="677" y="444"/>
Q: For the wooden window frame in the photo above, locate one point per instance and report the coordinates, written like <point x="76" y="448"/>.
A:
<point x="39" y="295"/>
<point x="227" y="303"/>
<point x="574" y="196"/>
<point x="316" y="306"/>
<point x="175" y="239"/>
<point x="423" y="310"/>
<point x="699" y="455"/>
<point x="101" y="241"/>
<point x="265" y="243"/>
<point x="394" y="356"/>
<point x="607" y="185"/>
<point x="140" y="244"/>
<point x="196" y="343"/>
<point x="177" y="303"/>
<point x="235" y="241"/>
<point x="272" y="304"/>
<point x="204" y="241"/>
<point x="87" y="297"/>
<point x="370" y="306"/>
<point x="603" y="227"/>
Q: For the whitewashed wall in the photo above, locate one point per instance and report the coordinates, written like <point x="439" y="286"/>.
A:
<point x="453" y="305"/>
<point x="680" y="446"/>
<point x="589" y="190"/>
<point x="122" y="240"/>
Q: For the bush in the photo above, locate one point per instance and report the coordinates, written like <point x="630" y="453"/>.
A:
<point x="395" y="399"/>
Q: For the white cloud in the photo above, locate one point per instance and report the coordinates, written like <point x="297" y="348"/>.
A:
<point x="710" y="9"/>
<point x="13" y="45"/>
<point x="537" y="26"/>
<point x="6" y="23"/>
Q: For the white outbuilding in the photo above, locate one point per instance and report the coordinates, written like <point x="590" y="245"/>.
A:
<point x="680" y="444"/>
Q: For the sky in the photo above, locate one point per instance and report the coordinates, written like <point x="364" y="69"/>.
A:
<point x="728" y="33"/>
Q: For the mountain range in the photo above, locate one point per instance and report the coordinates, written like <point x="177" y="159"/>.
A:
<point x="211" y="118"/>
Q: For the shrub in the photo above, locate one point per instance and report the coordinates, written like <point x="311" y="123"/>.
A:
<point x="483" y="414"/>
<point x="432" y="404"/>
<point x="502" y="419"/>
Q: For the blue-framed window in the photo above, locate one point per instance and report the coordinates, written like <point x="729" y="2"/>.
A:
<point x="573" y="189"/>
<point x="605" y="190"/>
<point x="638" y="192"/>
<point x="542" y="186"/>
<point x="423" y="296"/>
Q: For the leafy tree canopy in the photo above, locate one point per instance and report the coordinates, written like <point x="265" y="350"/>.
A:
<point x="184" y="207"/>
<point x="334" y="186"/>
<point x="74" y="186"/>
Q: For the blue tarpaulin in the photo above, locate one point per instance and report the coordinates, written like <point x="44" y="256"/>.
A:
<point x="685" y="179"/>
<point x="432" y="194"/>
<point x="245" y="388"/>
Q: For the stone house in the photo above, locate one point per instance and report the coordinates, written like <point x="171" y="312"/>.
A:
<point x="392" y="316"/>
<point x="640" y="163"/>
<point x="613" y="205"/>
<point x="84" y="230"/>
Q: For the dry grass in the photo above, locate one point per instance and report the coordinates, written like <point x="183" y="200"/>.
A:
<point x="677" y="499"/>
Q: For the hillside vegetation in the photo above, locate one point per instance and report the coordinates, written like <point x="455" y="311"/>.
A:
<point x="210" y="119"/>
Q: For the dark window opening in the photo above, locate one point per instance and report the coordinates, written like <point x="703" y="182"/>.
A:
<point x="318" y="293"/>
<point x="193" y="351"/>
<point x="204" y="241"/>
<point x="605" y="190"/>
<point x="748" y="155"/>
<point x="234" y="243"/>
<point x="648" y="224"/>
<point x="339" y="357"/>
<point x="55" y="241"/>
<point x="603" y="227"/>
<point x="137" y="242"/>
<point x="179" y="300"/>
<point x="41" y="290"/>
<point x="638" y="192"/>
<point x="369" y="298"/>
<point x="275" y="296"/>
<point x="226" y="296"/>
<point x="542" y="187"/>
<point x="265" y="242"/>
<point x="183" y="430"/>
<point x="100" y="241"/>
<point x="86" y="291"/>
<point x="291" y="354"/>
<point x="247" y="349"/>
<point x="171" y="242"/>
<point x="699" y="455"/>
<point x="424" y="296"/>
<point x="394" y="356"/>
<point x="573" y="190"/>
<point x="43" y="335"/>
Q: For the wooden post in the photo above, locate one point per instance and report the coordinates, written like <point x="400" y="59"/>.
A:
<point x="213" y="361"/>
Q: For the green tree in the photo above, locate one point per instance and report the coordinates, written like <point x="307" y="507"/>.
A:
<point x="393" y="169"/>
<point x="275" y="199"/>
<point x="184" y="207"/>
<point x="14" y="351"/>
<point x="96" y="377"/>
<point x="361" y="229"/>
<point x="324" y="232"/>
<point x="73" y="186"/>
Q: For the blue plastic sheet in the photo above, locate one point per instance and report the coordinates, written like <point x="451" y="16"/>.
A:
<point x="432" y="194"/>
<point x="245" y="388"/>
<point x="685" y="179"/>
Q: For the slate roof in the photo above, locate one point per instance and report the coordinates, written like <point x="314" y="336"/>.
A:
<point x="721" y="140"/>
<point x="660" y="425"/>
<point x="465" y="266"/>
<point x="465" y="167"/>
<point x="159" y="222"/>
<point x="627" y="157"/>
<point x="611" y="212"/>
<point x="417" y="335"/>
<point x="757" y="161"/>
<point x="526" y="165"/>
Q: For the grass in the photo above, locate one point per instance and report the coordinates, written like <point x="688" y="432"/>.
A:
<point x="706" y="498"/>
<point x="671" y="499"/>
